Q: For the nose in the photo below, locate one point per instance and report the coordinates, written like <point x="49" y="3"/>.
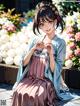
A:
<point x="47" y="27"/>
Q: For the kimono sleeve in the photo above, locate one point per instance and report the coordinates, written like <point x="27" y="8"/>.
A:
<point x="21" y="72"/>
<point x="60" y="57"/>
<point x="62" y="94"/>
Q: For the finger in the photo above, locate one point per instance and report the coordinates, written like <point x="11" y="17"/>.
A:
<point x="48" y="43"/>
<point x="49" y="47"/>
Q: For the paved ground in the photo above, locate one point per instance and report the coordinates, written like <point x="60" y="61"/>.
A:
<point x="6" y="95"/>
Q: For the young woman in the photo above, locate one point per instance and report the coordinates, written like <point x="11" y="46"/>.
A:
<point x="43" y="62"/>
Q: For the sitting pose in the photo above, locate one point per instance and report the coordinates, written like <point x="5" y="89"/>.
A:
<point x="39" y="84"/>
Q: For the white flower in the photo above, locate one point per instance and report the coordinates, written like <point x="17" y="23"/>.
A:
<point x="70" y="21"/>
<point x="13" y="38"/>
<point x="8" y="22"/>
<point x="79" y="60"/>
<point x="0" y="58"/>
<point x="3" y="59"/>
<point x="15" y="44"/>
<point x="68" y="50"/>
<point x="3" y="32"/>
<point x="11" y="52"/>
<point x="76" y="15"/>
<point x="3" y="47"/>
<point x="19" y="51"/>
<point x="3" y="54"/>
<point x="22" y="37"/>
<point x="68" y="63"/>
<point x="65" y="37"/>
<point x="8" y="45"/>
<point x="68" y="53"/>
<point x="4" y="38"/>
<point x="78" y="24"/>
<point x="24" y="47"/>
<point x="27" y="30"/>
<point x="30" y="25"/>
<point x="17" y="59"/>
<point x="9" y="60"/>
<point x="3" y="20"/>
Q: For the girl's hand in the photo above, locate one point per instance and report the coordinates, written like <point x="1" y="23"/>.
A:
<point x="39" y="45"/>
<point x="49" y="48"/>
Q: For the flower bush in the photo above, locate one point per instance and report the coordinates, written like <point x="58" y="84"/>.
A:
<point x="67" y="6"/>
<point x="1" y="8"/>
<point x="9" y="21"/>
<point x="72" y="37"/>
<point x="13" y="37"/>
<point x="14" y="46"/>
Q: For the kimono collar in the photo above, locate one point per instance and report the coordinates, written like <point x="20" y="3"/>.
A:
<point x="55" y="37"/>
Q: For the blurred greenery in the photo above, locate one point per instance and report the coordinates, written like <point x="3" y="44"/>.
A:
<point x="29" y="14"/>
<point x="64" y="6"/>
<point x="67" y="6"/>
<point x="2" y="7"/>
<point x="14" y="18"/>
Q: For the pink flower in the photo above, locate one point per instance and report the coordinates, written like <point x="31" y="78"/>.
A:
<point x="77" y="52"/>
<point x="77" y="36"/>
<point x="68" y="63"/>
<point x="72" y="45"/>
<point x="69" y="56"/>
<point x="9" y="27"/>
<point x="69" y="29"/>
<point x="70" y="35"/>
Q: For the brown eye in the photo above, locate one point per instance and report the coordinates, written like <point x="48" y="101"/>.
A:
<point x="41" y="24"/>
<point x="51" y="22"/>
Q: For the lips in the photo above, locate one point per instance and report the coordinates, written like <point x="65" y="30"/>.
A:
<point x="48" y="30"/>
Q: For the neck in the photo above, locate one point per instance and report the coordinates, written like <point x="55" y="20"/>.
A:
<point x="51" y="36"/>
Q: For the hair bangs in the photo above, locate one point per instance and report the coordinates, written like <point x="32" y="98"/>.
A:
<point x="46" y="15"/>
<point x="42" y="16"/>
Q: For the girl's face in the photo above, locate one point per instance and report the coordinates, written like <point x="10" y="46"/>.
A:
<point x="48" y="27"/>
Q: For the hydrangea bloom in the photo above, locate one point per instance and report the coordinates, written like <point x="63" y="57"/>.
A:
<point x="72" y="37"/>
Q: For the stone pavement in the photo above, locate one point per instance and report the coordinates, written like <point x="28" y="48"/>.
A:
<point x="6" y="96"/>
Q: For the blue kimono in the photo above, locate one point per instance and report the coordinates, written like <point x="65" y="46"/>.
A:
<point x="59" y="46"/>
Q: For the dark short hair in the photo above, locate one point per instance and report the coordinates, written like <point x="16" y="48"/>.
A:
<point x="46" y="11"/>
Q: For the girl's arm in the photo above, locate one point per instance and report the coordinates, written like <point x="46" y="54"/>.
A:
<point x="60" y="56"/>
<point x="51" y="56"/>
<point x="28" y="56"/>
<point x="60" y="60"/>
<point x="30" y="53"/>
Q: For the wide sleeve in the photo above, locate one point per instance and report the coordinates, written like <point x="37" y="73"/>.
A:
<point x="21" y="72"/>
<point x="63" y="94"/>
<point x="60" y="57"/>
<point x="59" y="60"/>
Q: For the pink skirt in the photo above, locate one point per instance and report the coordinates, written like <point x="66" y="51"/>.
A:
<point x="35" y="90"/>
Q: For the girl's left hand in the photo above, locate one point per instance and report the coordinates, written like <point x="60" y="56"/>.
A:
<point x="49" y="48"/>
